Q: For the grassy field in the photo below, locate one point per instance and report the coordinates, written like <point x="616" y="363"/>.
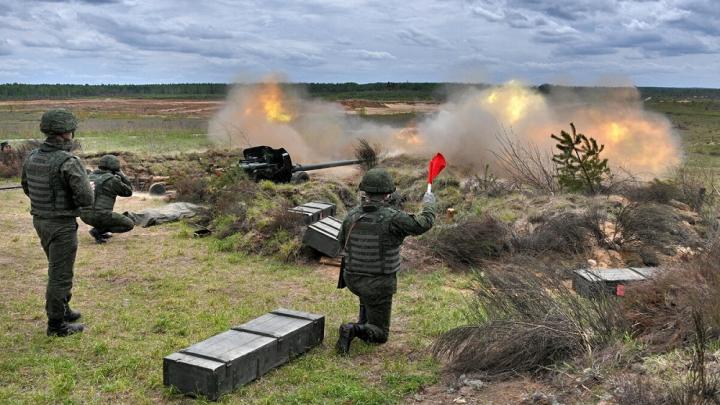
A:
<point x="698" y="125"/>
<point x="154" y="291"/>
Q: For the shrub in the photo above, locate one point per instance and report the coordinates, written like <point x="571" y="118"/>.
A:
<point x="190" y="188"/>
<point x="469" y="242"/>
<point x="526" y="164"/>
<point x="656" y="191"/>
<point x="521" y="322"/>
<point x="660" y="309"/>
<point x="567" y="232"/>
<point x="648" y="224"/>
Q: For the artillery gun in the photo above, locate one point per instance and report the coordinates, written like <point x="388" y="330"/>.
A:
<point x="266" y="163"/>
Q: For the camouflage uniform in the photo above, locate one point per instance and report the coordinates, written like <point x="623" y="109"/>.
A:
<point x="372" y="235"/>
<point x="109" y="183"/>
<point x="57" y="184"/>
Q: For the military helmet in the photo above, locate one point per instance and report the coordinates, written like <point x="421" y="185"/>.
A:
<point x="109" y="162"/>
<point x="377" y="181"/>
<point x="58" y="121"/>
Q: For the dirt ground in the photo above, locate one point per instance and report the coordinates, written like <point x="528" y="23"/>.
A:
<point x="194" y="108"/>
<point x="134" y="107"/>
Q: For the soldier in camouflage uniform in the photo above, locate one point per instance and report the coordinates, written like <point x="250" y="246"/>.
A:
<point x="371" y="235"/>
<point x="109" y="182"/>
<point x="57" y="184"/>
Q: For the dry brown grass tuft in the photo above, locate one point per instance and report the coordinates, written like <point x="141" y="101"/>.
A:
<point x="522" y="322"/>
<point x="367" y="153"/>
<point x="566" y="233"/>
<point x="467" y="243"/>
<point x="660" y="310"/>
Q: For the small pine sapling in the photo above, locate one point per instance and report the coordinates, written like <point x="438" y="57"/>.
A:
<point x="579" y="166"/>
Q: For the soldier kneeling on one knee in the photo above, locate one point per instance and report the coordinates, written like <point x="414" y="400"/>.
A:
<point x="109" y="182"/>
<point x="371" y="235"/>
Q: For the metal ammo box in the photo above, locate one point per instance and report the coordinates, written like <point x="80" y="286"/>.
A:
<point x="323" y="236"/>
<point x="591" y="282"/>
<point x="314" y="211"/>
<point x="233" y="358"/>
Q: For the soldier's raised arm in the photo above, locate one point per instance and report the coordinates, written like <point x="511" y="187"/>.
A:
<point x="120" y="187"/>
<point x="405" y="224"/>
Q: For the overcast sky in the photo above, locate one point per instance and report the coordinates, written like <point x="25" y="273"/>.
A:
<point x="584" y="42"/>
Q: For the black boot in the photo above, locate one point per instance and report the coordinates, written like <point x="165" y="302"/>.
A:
<point x="60" y="328"/>
<point x="95" y="233"/>
<point x="70" y="315"/>
<point x="362" y="316"/>
<point x="345" y="337"/>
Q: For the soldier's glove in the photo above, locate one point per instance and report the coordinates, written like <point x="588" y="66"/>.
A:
<point x="429" y="198"/>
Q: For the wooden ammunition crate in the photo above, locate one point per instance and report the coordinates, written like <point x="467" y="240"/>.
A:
<point x="592" y="282"/>
<point x="314" y="211"/>
<point x="236" y="357"/>
<point x="323" y="236"/>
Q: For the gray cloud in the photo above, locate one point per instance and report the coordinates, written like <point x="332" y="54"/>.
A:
<point x="5" y="48"/>
<point x="364" y="54"/>
<point x="361" y="40"/>
<point x="413" y="36"/>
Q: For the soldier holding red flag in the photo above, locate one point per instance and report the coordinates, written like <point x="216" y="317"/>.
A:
<point x="372" y="235"/>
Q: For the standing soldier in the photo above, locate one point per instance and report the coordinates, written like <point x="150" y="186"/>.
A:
<point x="109" y="182"/>
<point x="371" y="235"/>
<point x="57" y="184"/>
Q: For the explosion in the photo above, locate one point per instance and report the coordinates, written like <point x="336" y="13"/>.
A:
<point x="271" y="97"/>
<point x="512" y="102"/>
<point x="465" y="129"/>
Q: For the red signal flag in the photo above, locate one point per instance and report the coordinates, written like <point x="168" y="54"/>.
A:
<point x="437" y="164"/>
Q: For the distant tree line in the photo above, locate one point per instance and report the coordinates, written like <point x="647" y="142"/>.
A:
<point x="387" y="91"/>
<point x="17" y="91"/>
<point x="332" y="91"/>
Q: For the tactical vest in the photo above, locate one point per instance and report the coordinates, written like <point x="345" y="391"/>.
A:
<point x="103" y="199"/>
<point x="50" y="197"/>
<point x="369" y="250"/>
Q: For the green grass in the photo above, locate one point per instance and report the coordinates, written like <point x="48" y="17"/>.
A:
<point x="154" y="291"/>
<point x="698" y="124"/>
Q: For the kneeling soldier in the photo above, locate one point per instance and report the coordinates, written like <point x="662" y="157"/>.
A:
<point x="109" y="182"/>
<point x="371" y="235"/>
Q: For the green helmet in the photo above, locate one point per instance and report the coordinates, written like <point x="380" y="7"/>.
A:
<point x="377" y="181"/>
<point x="58" y="121"/>
<point x="109" y="162"/>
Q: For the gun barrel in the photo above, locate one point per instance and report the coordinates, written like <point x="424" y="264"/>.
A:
<point x="9" y="187"/>
<point x="318" y="166"/>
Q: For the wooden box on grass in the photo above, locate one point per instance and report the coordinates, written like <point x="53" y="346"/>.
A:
<point x="233" y="358"/>
<point x="592" y="282"/>
<point x="323" y="236"/>
<point x="314" y="211"/>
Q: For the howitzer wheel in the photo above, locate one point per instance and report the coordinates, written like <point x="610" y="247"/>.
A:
<point x="299" y="177"/>
<point x="158" y="189"/>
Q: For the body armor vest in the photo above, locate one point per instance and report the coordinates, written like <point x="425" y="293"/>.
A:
<point x="50" y="197"/>
<point x="103" y="199"/>
<point x="369" y="250"/>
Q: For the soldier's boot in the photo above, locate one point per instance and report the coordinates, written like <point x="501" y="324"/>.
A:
<point x="362" y="316"/>
<point x="60" y="328"/>
<point x="361" y="332"/>
<point x="70" y="315"/>
<point x="345" y="337"/>
<point x="95" y="233"/>
<point x="106" y="235"/>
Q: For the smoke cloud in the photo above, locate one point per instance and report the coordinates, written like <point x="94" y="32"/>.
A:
<point x="465" y="128"/>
